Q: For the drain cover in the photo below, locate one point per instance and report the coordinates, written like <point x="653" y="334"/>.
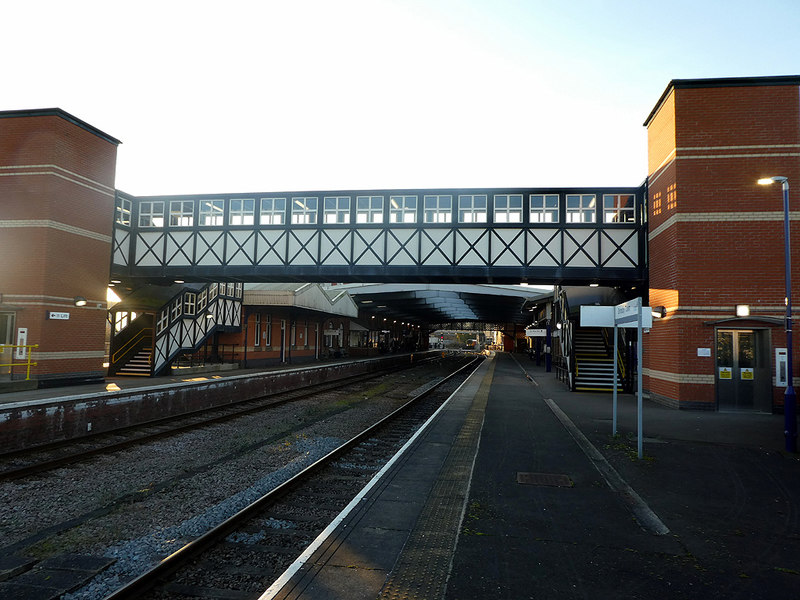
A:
<point x="551" y="479"/>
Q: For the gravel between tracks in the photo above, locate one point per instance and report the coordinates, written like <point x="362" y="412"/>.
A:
<point x="186" y="483"/>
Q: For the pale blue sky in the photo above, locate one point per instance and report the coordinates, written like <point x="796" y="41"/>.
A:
<point x="305" y="95"/>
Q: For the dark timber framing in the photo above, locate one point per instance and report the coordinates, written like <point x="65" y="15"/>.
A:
<point x="602" y="251"/>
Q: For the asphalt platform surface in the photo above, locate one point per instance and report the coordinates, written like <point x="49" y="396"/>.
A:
<point x="720" y="483"/>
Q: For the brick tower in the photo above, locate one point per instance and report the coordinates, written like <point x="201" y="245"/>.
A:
<point x="716" y="239"/>
<point x="56" y="213"/>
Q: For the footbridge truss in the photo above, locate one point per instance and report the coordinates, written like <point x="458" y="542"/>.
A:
<point x="487" y="235"/>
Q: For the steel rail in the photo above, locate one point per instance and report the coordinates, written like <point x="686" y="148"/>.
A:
<point x="73" y="457"/>
<point x="172" y="563"/>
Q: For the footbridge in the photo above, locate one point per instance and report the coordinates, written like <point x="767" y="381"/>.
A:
<point x="570" y="236"/>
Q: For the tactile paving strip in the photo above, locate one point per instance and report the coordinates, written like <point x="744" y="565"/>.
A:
<point x="422" y="569"/>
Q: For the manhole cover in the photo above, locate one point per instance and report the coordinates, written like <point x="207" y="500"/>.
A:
<point x="550" y="479"/>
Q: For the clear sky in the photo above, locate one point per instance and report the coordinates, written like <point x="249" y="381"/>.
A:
<point x="287" y="95"/>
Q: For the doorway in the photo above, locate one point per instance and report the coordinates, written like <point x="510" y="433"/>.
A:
<point x="7" y="338"/>
<point x="743" y="375"/>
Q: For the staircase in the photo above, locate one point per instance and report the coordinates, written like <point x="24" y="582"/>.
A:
<point x="138" y="365"/>
<point x="594" y="365"/>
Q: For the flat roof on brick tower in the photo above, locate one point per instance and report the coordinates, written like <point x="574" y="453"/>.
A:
<point x="57" y="112"/>
<point x="678" y="84"/>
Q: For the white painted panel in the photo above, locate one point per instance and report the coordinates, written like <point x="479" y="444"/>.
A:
<point x="469" y="256"/>
<point x="603" y="316"/>
<point x="506" y="243"/>
<point x="544" y="247"/>
<point x="236" y="255"/>
<point x="436" y="246"/>
<point x="368" y="246"/>
<point x="146" y="257"/>
<point x="180" y="248"/>
<point x="271" y="247"/>
<point x="587" y="257"/>
<point x="303" y="247"/>
<point x="122" y="247"/>
<point x="209" y="247"/>
<point x="402" y="247"/>
<point x="335" y="247"/>
<point x="614" y="257"/>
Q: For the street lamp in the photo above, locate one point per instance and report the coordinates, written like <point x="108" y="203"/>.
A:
<point x="789" y="398"/>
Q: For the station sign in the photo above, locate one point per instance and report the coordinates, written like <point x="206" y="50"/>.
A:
<point x="58" y="316"/>
<point x="536" y="333"/>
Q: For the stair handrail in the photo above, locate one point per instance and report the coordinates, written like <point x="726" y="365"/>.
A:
<point x="130" y="343"/>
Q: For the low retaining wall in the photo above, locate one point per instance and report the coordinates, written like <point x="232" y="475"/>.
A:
<point x="37" y="422"/>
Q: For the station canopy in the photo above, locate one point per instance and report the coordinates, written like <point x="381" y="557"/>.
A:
<point x="437" y="305"/>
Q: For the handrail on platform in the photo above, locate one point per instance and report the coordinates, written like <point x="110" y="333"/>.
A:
<point x="28" y="352"/>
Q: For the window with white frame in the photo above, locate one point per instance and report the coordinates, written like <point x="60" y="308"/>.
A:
<point x="177" y="309"/>
<point x="257" y="329"/>
<point x="304" y="210"/>
<point x="123" y="211"/>
<point x="189" y="303"/>
<point x="273" y="211"/>
<point x="202" y="300"/>
<point x="438" y="208"/>
<point x="544" y="208"/>
<point x="239" y="288"/>
<point x="213" y="290"/>
<point x="619" y="208"/>
<point x="402" y="209"/>
<point x="181" y="213"/>
<point x="241" y="211"/>
<point x="211" y="213"/>
<point x="268" y="330"/>
<point x="581" y="208"/>
<point x="337" y="209"/>
<point x="472" y="208"/>
<point x="230" y="290"/>
<point x="508" y="208"/>
<point x="151" y="214"/>
<point x="369" y="209"/>
<point x="163" y="321"/>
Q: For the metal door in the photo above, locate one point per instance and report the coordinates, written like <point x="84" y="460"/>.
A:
<point x="742" y="376"/>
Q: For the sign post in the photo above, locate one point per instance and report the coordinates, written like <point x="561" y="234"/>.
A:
<point x="628" y="312"/>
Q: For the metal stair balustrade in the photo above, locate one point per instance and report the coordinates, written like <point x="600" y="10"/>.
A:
<point x="179" y="330"/>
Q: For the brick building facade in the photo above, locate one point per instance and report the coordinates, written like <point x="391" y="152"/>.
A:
<point x="716" y="239"/>
<point x="57" y="200"/>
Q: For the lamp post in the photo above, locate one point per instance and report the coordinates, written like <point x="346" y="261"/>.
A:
<point x="789" y="398"/>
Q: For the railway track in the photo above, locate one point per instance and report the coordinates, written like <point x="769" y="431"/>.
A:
<point x="22" y="463"/>
<point x="241" y="556"/>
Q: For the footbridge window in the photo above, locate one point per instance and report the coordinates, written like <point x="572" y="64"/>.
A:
<point x="273" y="211"/>
<point x="304" y="210"/>
<point x="403" y="209"/>
<point x="619" y="208"/>
<point x="508" y="208"/>
<point x="242" y="211"/>
<point x="369" y="209"/>
<point x="337" y="210"/>
<point x="438" y="209"/>
<point x="151" y="214"/>
<point x="581" y="208"/>
<point x="544" y="208"/>
<point x="181" y="213"/>
<point x="211" y="213"/>
<point x="472" y="208"/>
<point x="123" y="211"/>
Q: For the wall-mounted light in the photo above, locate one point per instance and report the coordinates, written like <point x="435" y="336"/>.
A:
<point x="742" y="310"/>
<point x="558" y="325"/>
<point x="658" y="312"/>
<point x="179" y="281"/>
<point x="594" y="285"/>
<point x="79" y="301"/>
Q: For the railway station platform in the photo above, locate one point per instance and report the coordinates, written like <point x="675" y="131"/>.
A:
<point x="516" y="489"/>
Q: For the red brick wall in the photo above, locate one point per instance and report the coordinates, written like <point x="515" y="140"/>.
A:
<point x="57" y="216"/>
<point x="716" y="237"/>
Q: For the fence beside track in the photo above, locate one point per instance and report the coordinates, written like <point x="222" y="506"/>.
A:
<point x="38" y="422"/>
